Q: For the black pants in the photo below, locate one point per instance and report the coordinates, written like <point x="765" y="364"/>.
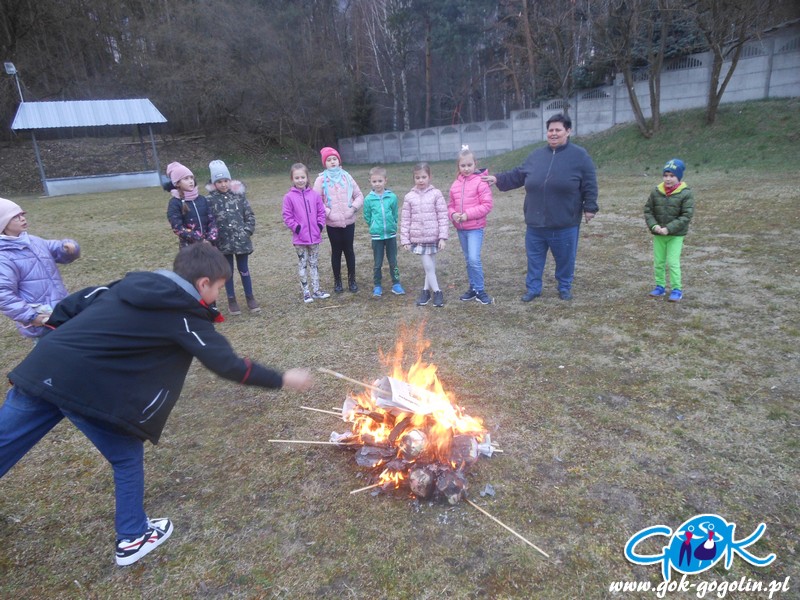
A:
<point x="341" y="239"/>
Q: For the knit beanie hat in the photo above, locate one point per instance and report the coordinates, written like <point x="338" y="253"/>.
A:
<point x="676" y="167"/>
<point x="328" y="151"/>
<point x="176" y="171"/>
<point x="8" y="210"/>
<point x="218" y="171"/>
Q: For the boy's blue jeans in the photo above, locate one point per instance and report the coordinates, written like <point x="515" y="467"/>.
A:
<point x="563" y="244"/>
<point x="24" y="420"/>
<point x="471" y="243"/>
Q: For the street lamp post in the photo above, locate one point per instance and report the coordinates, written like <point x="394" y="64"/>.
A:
<point x="12" y="70"/>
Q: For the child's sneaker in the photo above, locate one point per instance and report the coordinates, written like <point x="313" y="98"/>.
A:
<point x="307" y="297"/>
<point x="233" y="307"/>
<point x="675" y="296"/>
<point x="253" y="305"/>
<point x="377" y="291"/>
<point x="320" y="295"/>
<point x="483" y="297"/>
<point x="470" y="294"/>
<point x="658" y="291"/>
<point x="438" y="298"/>
<point x="424" y="297"/>
<point x="129" y="551"/>
<point x="398" y="290"/>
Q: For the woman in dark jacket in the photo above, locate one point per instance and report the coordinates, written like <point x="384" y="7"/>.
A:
<point x="560" y="188"/>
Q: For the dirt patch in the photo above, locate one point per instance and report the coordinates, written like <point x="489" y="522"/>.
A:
<point x="93" y="156"/>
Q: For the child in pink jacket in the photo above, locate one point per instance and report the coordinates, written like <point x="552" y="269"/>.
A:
<point x="470" y="202"/>
<point x="424" y="229"/>
<point x="342" y="198"/>
<point x="304" y="214"/>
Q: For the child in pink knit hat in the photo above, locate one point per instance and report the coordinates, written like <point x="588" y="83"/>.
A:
<point x="342" y="198"/>
<point x="188" y="212"/>
<point x="30" y="283"/>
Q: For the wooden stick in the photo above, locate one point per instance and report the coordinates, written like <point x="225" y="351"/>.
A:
<point x="471" y="503"/>
<point x="329" y="412"/>
<point x="351" y="380"/>
<point x="314" y="442"/>
<point x="369" y="487"/>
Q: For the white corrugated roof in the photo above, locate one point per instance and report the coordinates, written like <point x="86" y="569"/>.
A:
<point x="85" y="113"/>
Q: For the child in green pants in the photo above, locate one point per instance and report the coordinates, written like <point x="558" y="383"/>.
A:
<point x="668" y="211"/>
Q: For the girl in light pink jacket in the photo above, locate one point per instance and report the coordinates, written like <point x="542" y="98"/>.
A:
<point x="343" y="199"/>
<point x="424" y="229"/>
<point x="470" y="202"/>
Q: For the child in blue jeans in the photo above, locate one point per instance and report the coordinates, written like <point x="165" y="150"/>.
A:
<point x="137" y="338"/>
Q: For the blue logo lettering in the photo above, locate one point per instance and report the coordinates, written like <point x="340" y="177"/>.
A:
<point x="696" y="546"/>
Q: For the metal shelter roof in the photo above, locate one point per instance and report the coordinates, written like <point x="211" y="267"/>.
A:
<point x="85" y="113"/>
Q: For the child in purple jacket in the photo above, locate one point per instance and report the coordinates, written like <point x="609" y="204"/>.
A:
<point x="304" y="214"/>
<point x="30" y="283"/>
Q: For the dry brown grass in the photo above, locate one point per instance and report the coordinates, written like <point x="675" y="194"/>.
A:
<point x="616" y="413"/>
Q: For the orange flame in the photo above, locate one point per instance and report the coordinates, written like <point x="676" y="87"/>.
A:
<point x="438" y="420"/>
<point x="396" y="478"/>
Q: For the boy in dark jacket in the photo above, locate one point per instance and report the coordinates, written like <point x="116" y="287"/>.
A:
<point x="668" y="211"/>
<point x="115" y="365"/>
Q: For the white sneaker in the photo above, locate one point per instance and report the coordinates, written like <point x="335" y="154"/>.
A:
<point x="307" y="297"/>
<point x="129" y="551"/>
<point x="320" y="295"/>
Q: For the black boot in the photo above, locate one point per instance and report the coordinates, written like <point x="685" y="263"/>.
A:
<point x="337" y="285"/>
<point x="351" y="283"/>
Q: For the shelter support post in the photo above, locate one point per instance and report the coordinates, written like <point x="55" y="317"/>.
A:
<point x="39" y="163"/>
<point x="153" y="144"/>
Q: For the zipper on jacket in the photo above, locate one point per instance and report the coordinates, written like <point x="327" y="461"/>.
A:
<point x="383" y="214"/>
<point x="199" y="220"/>
<point x="308" y="213"/>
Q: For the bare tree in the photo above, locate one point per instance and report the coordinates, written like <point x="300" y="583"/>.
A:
<point x="727" y="26"/>
<point x="634" y="35"/>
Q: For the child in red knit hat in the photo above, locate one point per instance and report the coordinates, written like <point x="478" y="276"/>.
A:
<point x="342" y="198"/>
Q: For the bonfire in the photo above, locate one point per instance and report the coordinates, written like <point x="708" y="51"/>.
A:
<point x="409" y="432"/>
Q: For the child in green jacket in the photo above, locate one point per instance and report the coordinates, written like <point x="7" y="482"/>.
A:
<point x="668" y="211"/>
<point x="380" y="212"/>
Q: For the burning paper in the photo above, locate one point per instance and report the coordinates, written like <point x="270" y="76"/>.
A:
<point x="410" y="432"/>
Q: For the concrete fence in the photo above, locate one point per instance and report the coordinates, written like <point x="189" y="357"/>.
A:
<point x="767" y="68"/>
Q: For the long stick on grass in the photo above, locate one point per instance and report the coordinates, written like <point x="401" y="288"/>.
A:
<point x="499" y="522"/>
<point x="314" y="442"/>
<point x="369" y="487"/>
<point x="351" y="380"/>
<point x="329" y="412"/>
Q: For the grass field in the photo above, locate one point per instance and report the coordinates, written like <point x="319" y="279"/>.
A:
<point x="616" y="412"/>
